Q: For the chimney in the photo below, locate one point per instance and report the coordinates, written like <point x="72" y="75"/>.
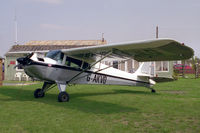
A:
<point x="156" y="32"/>
<point x="102" y="38"/>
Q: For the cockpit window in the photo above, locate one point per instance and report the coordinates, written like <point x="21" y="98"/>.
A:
<point x="58" y="56"/>
<point x="55" y="55"/>
<point x="76" y="63"/>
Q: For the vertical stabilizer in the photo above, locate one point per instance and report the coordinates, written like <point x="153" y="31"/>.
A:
<point x="144" y="68"/>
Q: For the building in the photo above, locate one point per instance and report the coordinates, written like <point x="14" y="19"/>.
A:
<point x="156" y="69"/>
<point x="43" y="47"/>
<point x="1" y="70"/>
<point x="160" y="69"/>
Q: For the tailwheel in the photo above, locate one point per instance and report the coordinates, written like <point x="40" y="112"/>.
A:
<point x="63" y="97"/>
<point x="38" y="93"/>
<point x="153" y="91"/>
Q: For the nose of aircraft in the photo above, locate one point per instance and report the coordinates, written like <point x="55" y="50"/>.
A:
<point x="24" y="60"/>
<point x="21" y="60"/>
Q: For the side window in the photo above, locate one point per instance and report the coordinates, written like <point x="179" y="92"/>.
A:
<point x="56" y="55"/>
<point x="86" y="65"/>
<point x="162" y="66"/>
<point x="59" y="57"/>
<point x="158" y="66"/>
<point x="115" y="64"/>
<point x="67" y="63"/>
<point x="73" y="62"/>
<point x="165" y="65"/>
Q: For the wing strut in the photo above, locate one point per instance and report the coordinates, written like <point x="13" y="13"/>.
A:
<point x="103" y="69"/>
<point x="89" y="66"/>
<point x="111" y="65"/>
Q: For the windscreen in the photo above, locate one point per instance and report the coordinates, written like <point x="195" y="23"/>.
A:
<point x="55" y="55"/>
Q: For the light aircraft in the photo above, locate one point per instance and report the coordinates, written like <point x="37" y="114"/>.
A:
<point x="83" y="65"/>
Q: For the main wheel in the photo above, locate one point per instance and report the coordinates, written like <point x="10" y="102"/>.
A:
<point x="38" y="93"/>
<point x="153" y="91"/>
<point x="63" y="97"/>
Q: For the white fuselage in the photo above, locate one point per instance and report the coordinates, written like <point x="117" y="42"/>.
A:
<point x="52" y="71"/>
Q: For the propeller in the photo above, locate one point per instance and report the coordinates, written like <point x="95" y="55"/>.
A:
<point x="22" y="61"/>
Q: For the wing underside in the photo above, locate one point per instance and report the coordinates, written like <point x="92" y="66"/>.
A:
<point x="152" y="50"/>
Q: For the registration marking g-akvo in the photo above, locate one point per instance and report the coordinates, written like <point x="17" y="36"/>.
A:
<point x="97" y="78"/>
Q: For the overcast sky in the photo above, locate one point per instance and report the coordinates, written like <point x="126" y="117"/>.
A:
<point x="119" y="20"/>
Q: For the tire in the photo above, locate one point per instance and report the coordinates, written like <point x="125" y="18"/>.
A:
<point x="38" y="93"/>
<point x="63" y="97"/>
<point x="153" y="91"/>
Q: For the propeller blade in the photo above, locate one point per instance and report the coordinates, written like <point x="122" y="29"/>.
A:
<point x="18" y="65"/>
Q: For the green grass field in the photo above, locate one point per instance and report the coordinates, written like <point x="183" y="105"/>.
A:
<point x="103" y="109"/>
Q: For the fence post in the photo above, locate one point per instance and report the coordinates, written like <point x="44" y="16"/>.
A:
<point x="1" y="71"/>
<point x="183" y="68"/>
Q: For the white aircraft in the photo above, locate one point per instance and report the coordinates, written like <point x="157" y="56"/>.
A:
<point x="83" y="65"/>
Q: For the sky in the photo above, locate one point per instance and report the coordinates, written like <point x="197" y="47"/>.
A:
<point x="119" y="20"/>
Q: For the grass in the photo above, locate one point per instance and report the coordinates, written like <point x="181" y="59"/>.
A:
<point x="103" y="109"/>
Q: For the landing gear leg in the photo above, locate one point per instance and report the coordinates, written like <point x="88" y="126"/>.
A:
<point x="39" y="93"/>
<point x="63" y="95"/>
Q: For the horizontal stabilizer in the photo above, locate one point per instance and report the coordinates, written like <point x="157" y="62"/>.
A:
<point x="144" y="75"/>
<point x="162" y="79"/>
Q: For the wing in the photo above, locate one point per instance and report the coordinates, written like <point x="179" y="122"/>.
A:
<point x="151" y="50"/>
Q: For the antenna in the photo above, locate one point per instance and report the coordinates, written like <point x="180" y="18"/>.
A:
<point x="15" y="23"/>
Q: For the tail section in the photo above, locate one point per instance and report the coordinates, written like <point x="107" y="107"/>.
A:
<point x="144" y="72"/>
<point x="144" y="69"/>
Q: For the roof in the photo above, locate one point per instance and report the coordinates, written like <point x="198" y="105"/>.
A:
<point x="67" y="42"/>
<point x="45" y="46"/>
<point x="22" y="48"/>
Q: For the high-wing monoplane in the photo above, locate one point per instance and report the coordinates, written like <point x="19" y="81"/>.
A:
<point x="84" y="65"/>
